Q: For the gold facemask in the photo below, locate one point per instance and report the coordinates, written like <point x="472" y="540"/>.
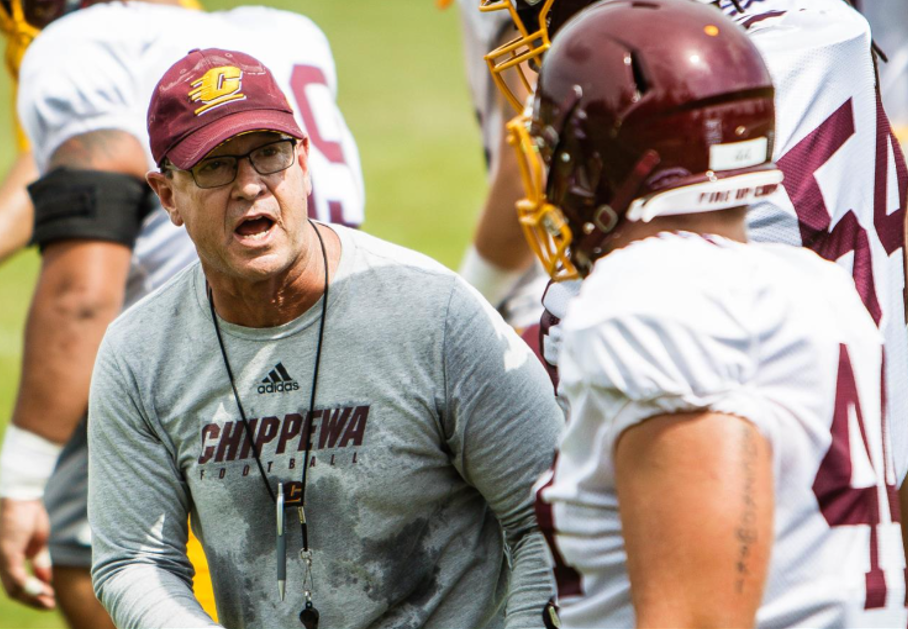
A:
<point x="19" y="34"/>
<point x="543" y="224"/>
<point x="513" y="58"/>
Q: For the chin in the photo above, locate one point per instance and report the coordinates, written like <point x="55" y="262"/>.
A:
<point x="259" y="268"/>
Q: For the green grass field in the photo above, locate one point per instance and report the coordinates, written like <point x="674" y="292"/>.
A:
<point x="404" y="94"/>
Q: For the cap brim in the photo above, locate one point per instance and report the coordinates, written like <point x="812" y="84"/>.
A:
<point x="197" y="145"/>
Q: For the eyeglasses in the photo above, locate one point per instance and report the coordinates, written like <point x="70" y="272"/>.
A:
<point x="267" y="159"/>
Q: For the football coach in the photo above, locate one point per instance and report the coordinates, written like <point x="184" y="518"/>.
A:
<point x="354" y="432"/>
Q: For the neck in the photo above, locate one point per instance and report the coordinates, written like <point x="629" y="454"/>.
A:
<point x="726" y="223"/>
<point x="278" y="299"/>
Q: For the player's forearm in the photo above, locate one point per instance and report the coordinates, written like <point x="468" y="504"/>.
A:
<point x="499" y="238"/>
<point x="16" y="211"/>
<point x="72" y="307"/>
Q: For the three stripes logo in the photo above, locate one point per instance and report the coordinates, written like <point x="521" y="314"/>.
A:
<point x="278" y="381"/>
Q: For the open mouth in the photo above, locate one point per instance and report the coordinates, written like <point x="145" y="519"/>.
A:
<point x="255" y="227"/>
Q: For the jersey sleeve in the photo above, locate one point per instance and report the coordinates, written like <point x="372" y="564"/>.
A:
<point x="501" y="424"/>
<point x="668" y="353"/>
<point x="67" y="89"/>
<point x="140" y="571"/>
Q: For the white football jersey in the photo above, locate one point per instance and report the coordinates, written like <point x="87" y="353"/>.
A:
<point x="97" y="67"/>
<point x="772" y="333"/>
<point x="845" y="175"/>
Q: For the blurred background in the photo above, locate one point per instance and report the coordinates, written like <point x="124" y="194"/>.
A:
<point x="403" y="91"/>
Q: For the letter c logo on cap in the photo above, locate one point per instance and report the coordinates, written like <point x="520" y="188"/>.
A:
<point x="217" y="87"/>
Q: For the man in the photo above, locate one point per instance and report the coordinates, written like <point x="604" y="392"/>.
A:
<point x="725" y="397"/>
<point x="313" y="366"/>
<point x="106" y="242"/>
<point x="846" y="180"/>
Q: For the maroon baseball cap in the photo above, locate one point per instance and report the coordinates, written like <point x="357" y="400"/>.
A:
<point x="209" y="96"/>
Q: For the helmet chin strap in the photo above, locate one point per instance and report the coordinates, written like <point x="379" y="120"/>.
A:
<point x="609" y="216"/>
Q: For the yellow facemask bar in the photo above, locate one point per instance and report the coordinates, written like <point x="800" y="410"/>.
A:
<point x="19" y="34"/>
<point x="514" y="57"/>
<point x="543" y="224"/>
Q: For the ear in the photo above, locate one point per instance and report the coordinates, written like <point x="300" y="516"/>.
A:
<point x="303" y="161"/>
<point x="162" y="184"/>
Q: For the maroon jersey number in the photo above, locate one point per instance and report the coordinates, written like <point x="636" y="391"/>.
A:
<point x="302" y="77"/>
<point x="842" y="504"/>
<point x="800" y="165"/>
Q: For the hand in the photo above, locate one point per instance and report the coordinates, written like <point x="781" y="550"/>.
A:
<point x="24" y="529"/>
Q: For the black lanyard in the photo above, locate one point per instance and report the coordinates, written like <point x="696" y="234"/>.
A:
<point x="309" y="615"/>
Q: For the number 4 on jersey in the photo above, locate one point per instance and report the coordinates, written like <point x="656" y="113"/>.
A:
<point x="842" y="504"/>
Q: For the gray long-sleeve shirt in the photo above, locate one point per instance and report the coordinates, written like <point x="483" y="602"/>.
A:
<point x="432" y="422"/>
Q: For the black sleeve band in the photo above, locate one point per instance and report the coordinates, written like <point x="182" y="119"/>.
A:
<point x="89" y="204"/>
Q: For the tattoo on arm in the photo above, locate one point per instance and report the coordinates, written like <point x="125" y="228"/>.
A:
<point x="106" y="149"/>
<point x="746" y="531"/>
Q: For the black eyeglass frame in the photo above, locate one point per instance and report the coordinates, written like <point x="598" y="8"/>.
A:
<point x="236" y="165"/>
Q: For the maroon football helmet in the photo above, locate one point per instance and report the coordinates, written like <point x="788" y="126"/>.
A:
<point x="643" y="108"/>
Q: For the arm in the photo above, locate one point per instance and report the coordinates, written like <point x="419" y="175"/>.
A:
<point x="79" y="292"/>
<point x="503" y="424"/>
<point x="499" y="238"/>
<point x="138" y="506"/>
<point x="16" y="211"/>
<point x="696" y="496"/>
<point x="499" y="255"/>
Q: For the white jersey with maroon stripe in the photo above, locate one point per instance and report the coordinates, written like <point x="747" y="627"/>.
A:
<point x="771" y="333"/>
<point x="96" y="68"/>
<point x="845" y="177"/>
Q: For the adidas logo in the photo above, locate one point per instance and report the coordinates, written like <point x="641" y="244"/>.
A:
<point x="278" y="381"/>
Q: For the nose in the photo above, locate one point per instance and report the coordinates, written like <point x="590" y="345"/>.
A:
<point x="248" y="183"/>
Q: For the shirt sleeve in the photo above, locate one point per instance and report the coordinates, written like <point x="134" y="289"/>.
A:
<point x="633" y="365"/>
<point x="138" y="505"/>
<point x="502" y="425"/>
<point x="91" y="87"/>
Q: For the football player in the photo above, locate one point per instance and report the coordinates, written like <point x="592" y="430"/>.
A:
<point x="85" y="82"/>
<point x="497" y="262"/>
<point x="846" y="180"/>
<point x="725" y="397"/>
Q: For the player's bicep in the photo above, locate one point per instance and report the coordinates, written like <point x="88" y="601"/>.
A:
<point x="696" y="500"/>
<point x="94" y="190"/>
